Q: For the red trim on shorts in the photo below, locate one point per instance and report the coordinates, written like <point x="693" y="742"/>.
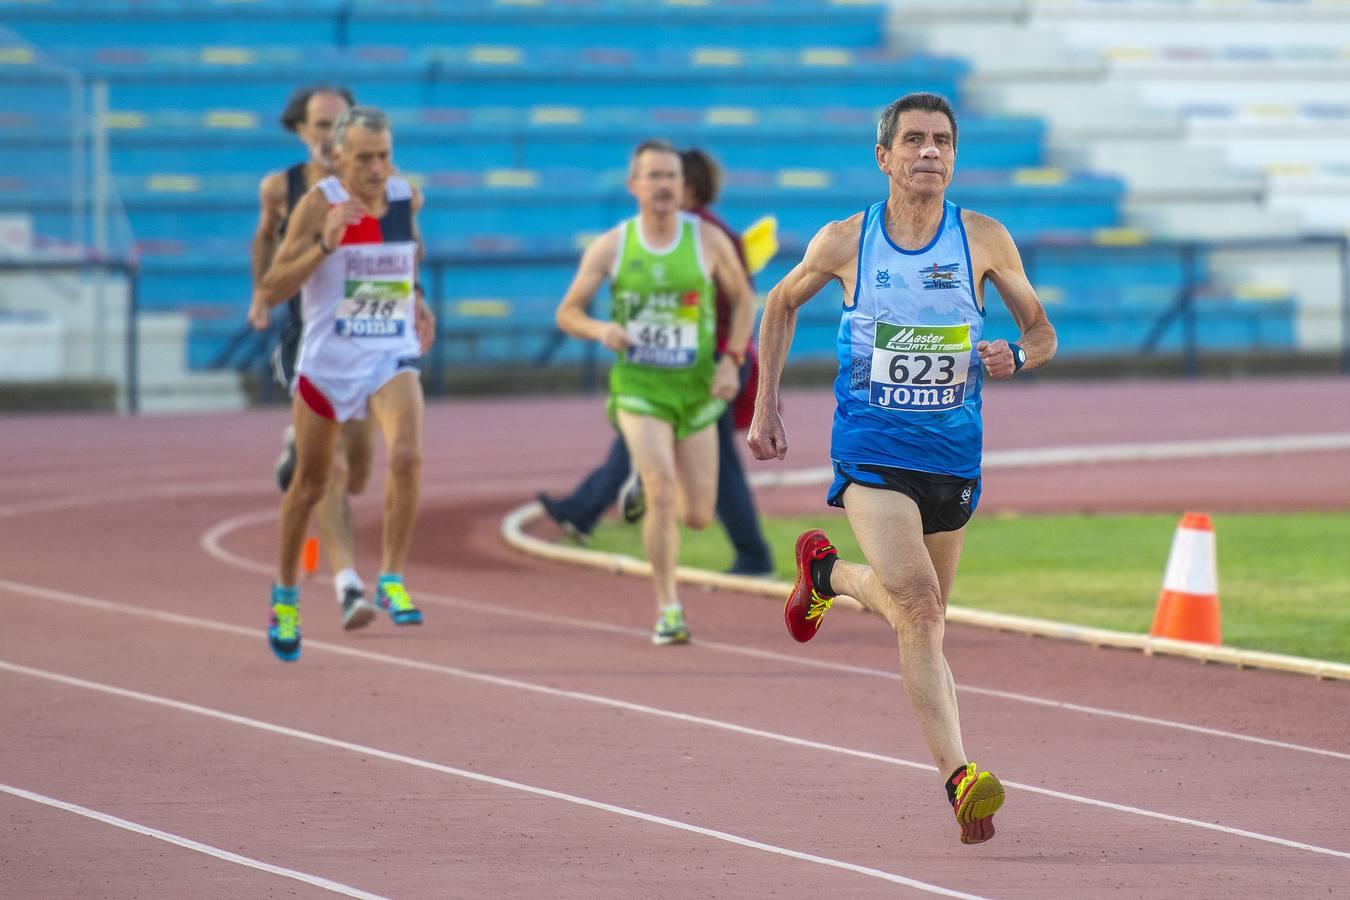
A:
<point x="314" y="398"/>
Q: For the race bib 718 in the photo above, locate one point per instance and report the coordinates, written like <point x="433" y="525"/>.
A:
<point x="377" y="295"/>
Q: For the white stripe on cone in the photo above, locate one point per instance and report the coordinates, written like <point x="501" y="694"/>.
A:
<point x="1192" y="566"/>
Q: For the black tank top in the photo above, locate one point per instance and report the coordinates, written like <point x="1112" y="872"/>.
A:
<point x="295" y="189"/>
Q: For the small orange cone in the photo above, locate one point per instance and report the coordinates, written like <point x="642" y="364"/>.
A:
<point x="309" y="558"/>
<point x="1188" y="607"/>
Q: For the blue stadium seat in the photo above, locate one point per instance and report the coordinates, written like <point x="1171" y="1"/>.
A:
<point x="518" y="119"/>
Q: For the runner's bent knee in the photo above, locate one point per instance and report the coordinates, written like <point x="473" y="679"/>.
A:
<point x="356" y="449"/>
<point x="661" y="490"/>
<point x="339" y="473"/>
<point x="405" y="459"/>
<point x="916" y="602"/>
<point x="309" y="483"/>
<point x="358" y="471"/>
<point x="698" y="520"/>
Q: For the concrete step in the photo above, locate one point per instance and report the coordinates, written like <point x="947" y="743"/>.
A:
<point x="194" y="392"/>
<point x="1164" y="168"/>
<point x="1212" y="220"/>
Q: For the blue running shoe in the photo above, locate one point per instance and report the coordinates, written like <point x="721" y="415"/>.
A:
<point x="284" y="634"/>
<point x="393" y="598"/>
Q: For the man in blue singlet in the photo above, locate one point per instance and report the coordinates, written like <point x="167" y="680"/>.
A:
<point x="907" y="433"/>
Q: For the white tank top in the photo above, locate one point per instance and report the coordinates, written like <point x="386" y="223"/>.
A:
<point x="358" y="305"/>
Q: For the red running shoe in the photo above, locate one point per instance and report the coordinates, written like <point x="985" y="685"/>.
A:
<point x="806" y="606"/>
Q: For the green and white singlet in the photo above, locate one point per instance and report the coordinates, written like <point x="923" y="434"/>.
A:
<point x="665" y="301"/>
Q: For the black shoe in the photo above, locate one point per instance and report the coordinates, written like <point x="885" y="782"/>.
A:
<point x="285" y="467"/>
<point x="357" y="611"/>
<point x="633" y="499"/>
<point x="570" y="529"/>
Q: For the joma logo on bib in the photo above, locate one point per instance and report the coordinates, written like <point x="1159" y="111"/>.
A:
<point x="898" y="397"/>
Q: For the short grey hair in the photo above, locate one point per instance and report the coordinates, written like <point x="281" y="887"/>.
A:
<point x="923" y="100"/>
<point x="367" y="117"/>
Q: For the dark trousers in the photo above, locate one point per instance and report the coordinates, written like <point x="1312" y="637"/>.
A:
<point x="735" y="505"/>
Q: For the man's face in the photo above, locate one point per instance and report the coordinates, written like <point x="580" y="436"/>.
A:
<point x="922" y="155"/>
<point x="365" y="160"/>
<point x="656" y="181"/>
<point x="321" y="111"/>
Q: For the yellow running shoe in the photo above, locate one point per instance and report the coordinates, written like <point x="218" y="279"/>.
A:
<point x="283" y="634"/>
<point x="978" y="796"/>
<point x="671" y="627"/>
<point x="393" y="598"/>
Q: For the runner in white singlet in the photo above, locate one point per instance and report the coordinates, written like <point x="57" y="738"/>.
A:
<point x="351" y="249"/>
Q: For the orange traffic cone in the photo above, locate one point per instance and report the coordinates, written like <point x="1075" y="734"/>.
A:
<point x="1188" y="607"/>
<point x="309" y="557"/>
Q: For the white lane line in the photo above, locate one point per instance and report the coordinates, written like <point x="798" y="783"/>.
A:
<point x="613" y="703"/>
<point x="234" y="487"/>
<point x="333" y="886"/>
<point x="136" y="494"/>
<point x="211" y="544"/>
<point x="478" y="776"/>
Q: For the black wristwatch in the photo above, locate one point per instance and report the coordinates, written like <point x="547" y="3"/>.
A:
<point x="1019" y="357"/>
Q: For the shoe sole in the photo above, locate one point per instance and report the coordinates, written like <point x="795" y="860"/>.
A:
<point x="665" y="640"/>
<point x="286" y="655"/>
<point x="802" y="587"/>
<point x="632" y="504"/>
<point x="407" y="618"/>
<point x="976" y="813"/>
<point x="359" y="616"/>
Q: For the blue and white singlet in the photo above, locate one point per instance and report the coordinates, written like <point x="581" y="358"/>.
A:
<point x="908" y="389"/>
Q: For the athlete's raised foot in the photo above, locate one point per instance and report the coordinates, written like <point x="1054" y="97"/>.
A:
<point x="977" y="797"/>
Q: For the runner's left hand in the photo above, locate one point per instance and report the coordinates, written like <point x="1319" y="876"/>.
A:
<point x="614" y="337"/>
<point x="259" y="313"/>
<point x="726" y="379"/>
<point x="997" y="358"/>
<point x="425" y="323"/>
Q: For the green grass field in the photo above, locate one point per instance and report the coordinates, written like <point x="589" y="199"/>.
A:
<point x="1284" y="580"/>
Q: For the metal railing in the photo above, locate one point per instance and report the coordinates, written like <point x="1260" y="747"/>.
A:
<point x="1193" y="254"/>
<point x="457" y="342"/>
<point x="128" y="270"/>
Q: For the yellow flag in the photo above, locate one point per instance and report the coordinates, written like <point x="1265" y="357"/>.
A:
<point x="761" y="243"/>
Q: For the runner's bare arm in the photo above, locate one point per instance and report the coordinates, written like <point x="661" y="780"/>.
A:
<point x="573" y="315"/>
<point x="417" y="201"/>
<point x="995" y="257"/>
<point x="272" y="208"/>
<point x="832" y="254"/>
<point x="730" y="277"/>
<point x="314" y="226"/>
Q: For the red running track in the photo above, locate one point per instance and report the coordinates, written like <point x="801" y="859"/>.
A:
<point x="529" y="741"/>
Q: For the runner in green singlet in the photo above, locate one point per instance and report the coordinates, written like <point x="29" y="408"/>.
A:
<point x="667" y="385"/>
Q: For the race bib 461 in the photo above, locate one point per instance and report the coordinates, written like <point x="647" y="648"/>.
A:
<point x="919" y="368"/>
